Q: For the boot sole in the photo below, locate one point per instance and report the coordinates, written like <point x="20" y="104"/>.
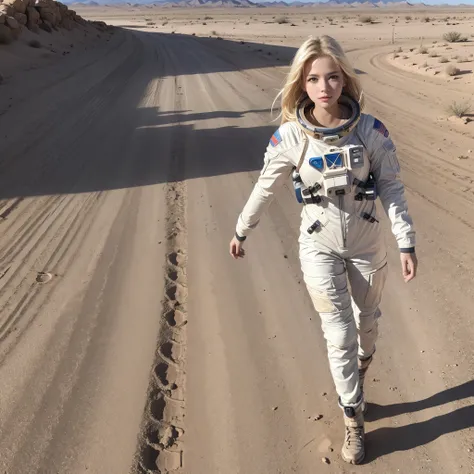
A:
<point x="353" y="461"/>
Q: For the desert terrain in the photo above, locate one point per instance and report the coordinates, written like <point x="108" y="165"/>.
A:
<point x="130" y="341"/>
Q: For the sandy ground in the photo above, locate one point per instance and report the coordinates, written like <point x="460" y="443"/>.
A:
<point x="124" y="164"/>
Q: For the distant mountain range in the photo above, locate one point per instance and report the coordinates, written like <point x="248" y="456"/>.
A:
<point x="248" y="3"/>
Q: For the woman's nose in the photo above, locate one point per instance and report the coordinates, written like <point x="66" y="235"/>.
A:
<point x="323" y="85"/>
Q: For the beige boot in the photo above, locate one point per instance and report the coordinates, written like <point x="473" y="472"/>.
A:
<point x="353" y="450"/>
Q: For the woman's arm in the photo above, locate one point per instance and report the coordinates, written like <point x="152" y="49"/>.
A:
<point x="386" y="170"/>
<point x="278" y="165"/>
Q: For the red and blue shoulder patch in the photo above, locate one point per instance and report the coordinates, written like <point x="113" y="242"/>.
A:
<point x="380" y="127"/>
<point x="276" y="138"/>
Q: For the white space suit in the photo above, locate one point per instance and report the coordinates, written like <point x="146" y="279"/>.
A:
<point x="345" y="242"/>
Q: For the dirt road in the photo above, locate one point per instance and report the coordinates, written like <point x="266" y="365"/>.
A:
<point x="122" y="173"/>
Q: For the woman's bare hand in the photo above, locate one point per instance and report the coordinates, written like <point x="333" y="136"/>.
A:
<point x="409" y="266"/>
<point x="236" y="249"/>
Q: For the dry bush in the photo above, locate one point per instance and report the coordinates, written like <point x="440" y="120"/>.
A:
<point x="395" y="55"/>
<point x="426" y="19"/>
<point x="165" y="23"/>
<point x="454" y="37"/>
<point x="400" y="50"/>
<point x="405" y="57"/>
<point x="366" y="19"/>
<point x="455" y="56"/>
<point x="34" y="43"/>
<point x="463" y="60"/>
<point x="452" y="70"/>
<point x="459" y="109"/>
<point x="423" y="50"/>
<point x="150" y="23"/>
<point x="443" y="60"/>
<point x="433" y="54"/>
<point x="208" y="18"/>
<point x="425" y="64"/>
<point x="281" y="20"/>
<point x="408" y="18"/>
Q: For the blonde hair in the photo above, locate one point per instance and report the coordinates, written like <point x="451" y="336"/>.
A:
<point x="313" y="48"/>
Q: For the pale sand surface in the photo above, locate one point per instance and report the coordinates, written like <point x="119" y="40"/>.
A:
<point x="124" y="164"/>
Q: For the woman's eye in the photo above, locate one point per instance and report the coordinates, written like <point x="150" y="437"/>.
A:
<point x="312" y="79"/>
<point x="334" y="78"/>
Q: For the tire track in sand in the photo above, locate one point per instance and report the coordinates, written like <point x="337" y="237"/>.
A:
<point x="160" y="447"/>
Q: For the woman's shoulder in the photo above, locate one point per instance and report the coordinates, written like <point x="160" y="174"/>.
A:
<point x="287" y="136"/>
<point x="369" y="124"/>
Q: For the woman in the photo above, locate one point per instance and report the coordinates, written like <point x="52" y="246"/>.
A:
<point x="340" y="161"/>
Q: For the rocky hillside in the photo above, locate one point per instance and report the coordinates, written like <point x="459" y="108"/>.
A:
<point x="48" y="15"/>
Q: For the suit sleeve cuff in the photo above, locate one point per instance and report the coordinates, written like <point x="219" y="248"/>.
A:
<point x="240" y="238"/>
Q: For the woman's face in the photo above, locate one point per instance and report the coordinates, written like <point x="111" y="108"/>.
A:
<point x="323" y="82"/>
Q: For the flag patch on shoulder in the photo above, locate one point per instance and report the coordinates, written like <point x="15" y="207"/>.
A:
<point x="380" y="127"/>
<point x="276" y="138"/>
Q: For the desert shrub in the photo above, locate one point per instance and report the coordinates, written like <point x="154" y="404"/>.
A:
<point x="423" y="50"/>
<point x="408" y="18"/>
<point x="459" y="109"/>
<point x="455" y="56"/>
<point x="34" y="43"/>
<point x="208" y="18"/>
<point x="433" y="54"/>
<point x="426" y="19"/>
<point x="452" y="70"/>
<point x="454" y="37"/>
<point x="366" y="19"/>
<point x="150" y="23"/>
<point x="400" y="50"/>
<point x="425" y="64"/>
<point x="281" y="20"/>
<point x="395" y="55"/>
<point x="214" y="32"/>
<point x="463" y="60"/>
<point x="165" y="23"/>
<point x="443" y="60"/>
